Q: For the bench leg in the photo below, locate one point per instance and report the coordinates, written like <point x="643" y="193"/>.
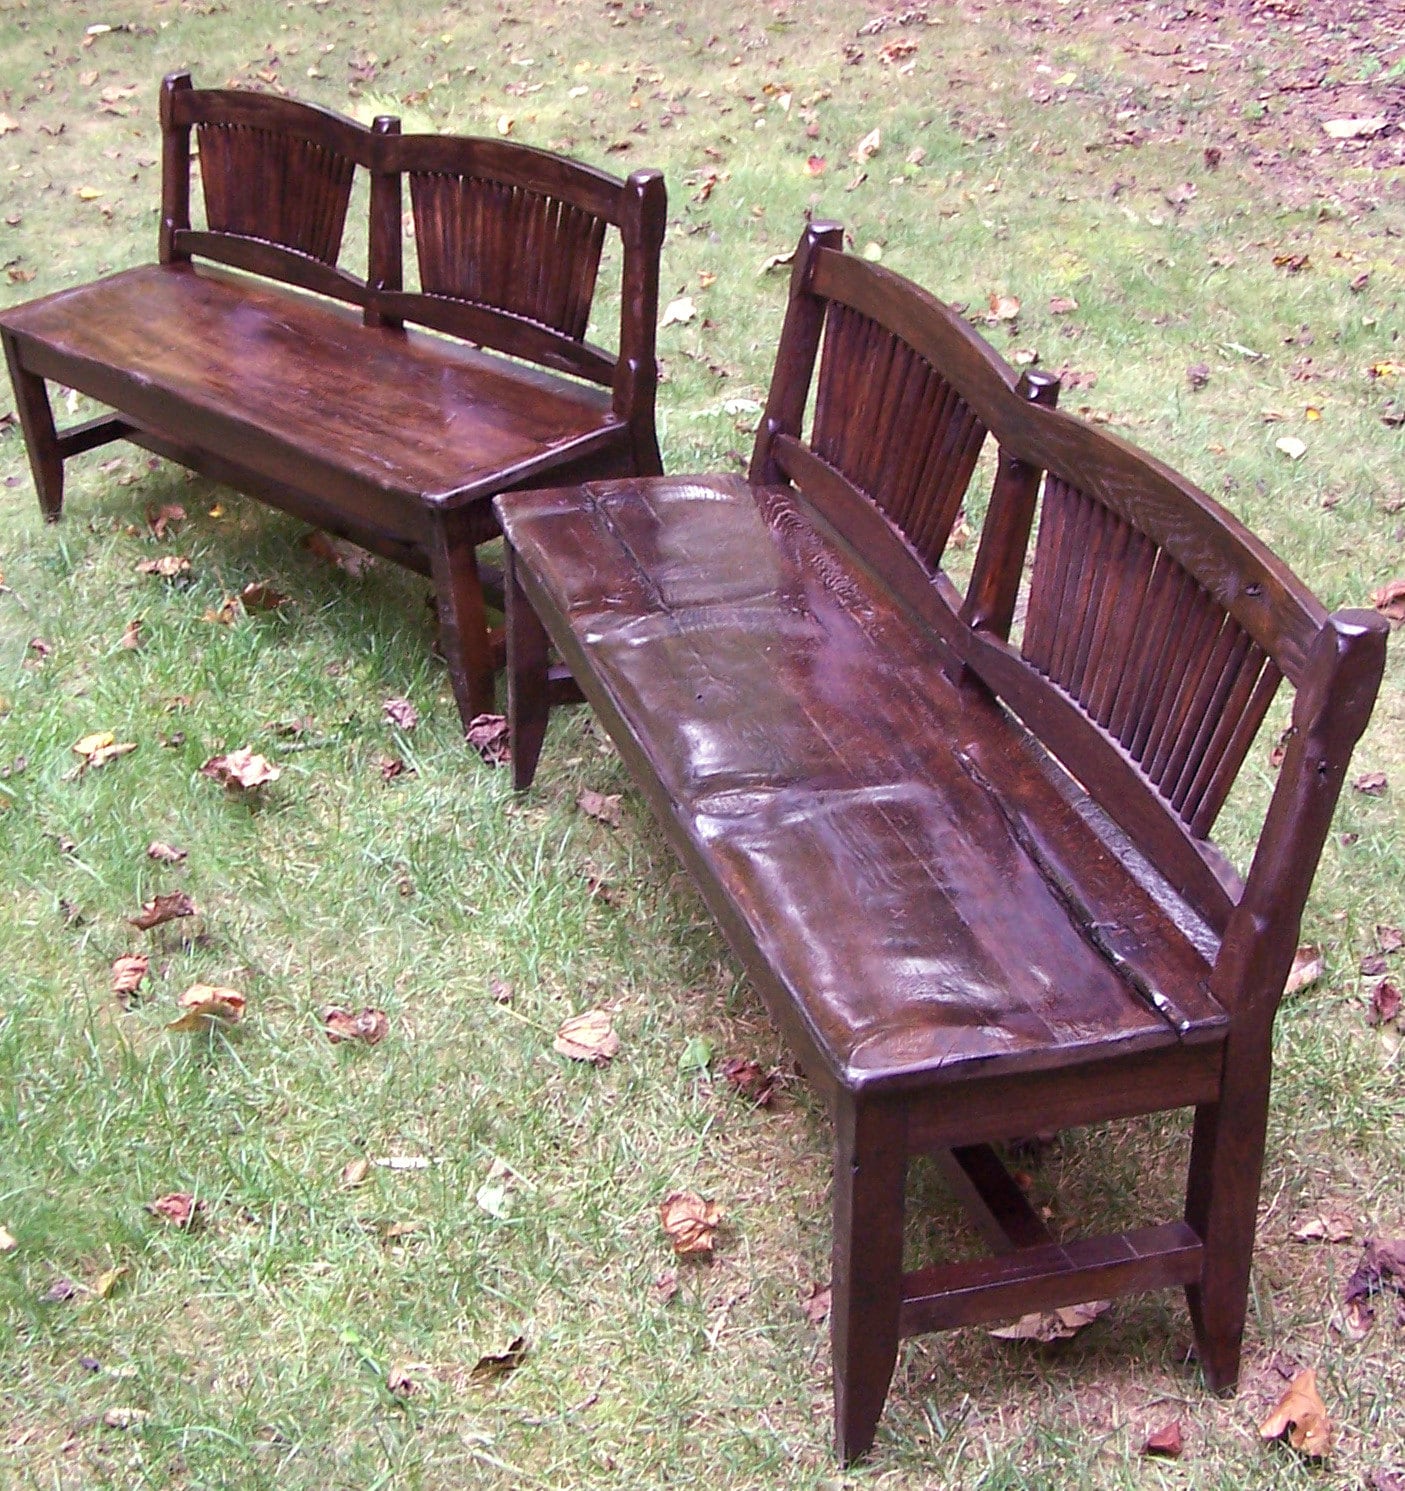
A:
<point x="870" y="1167"/>
<point x="40" y="437"/>
<point x="528" y="696"/>
<point x="463" y="622"/>
<point x="1222" y="1202"/>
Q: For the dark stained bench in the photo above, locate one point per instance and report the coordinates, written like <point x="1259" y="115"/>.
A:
<point x="324" y="403"/>
<point x="965" y="861"/>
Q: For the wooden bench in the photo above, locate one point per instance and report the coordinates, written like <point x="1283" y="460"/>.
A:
<point x="325" y="404"/>
<point x="966" y="865"/>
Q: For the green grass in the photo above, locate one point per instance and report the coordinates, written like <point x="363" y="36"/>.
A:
<point x="259" y="1343"/>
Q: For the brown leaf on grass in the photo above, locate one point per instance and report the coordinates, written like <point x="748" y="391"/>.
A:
<point x="1053" y="1325"/>
<point x="401" y="713"/>
<point x="241" y="770"/>
<point x="488" y="735"/>
<point x="127" y="974"/>
<point x="1389" y="600"/>
<point x="815" y="165"/>
<point x="1002" y="308"/>
<point x="165" y="854"/>
<point x="1167" y="1441"/>
<point x="161" y="909"/>
<point x="588" y="1036"/>
<point x="1303" y="1416"/>
<point x="868" y="147"/>
<point x="665" y="1285"/>
<point x="371" y="1025"/>
<point x="1388" y="938"/>
<point x="8" y="1243"/>
<point x="776" y="261"/>
<point x="1306" y="969"/>
<point x="354" y="1173"/>
<point x="392" y="768"/>
<point x="179" y="1208"/>
<point x="1372" y="783"/>
<point x="345" y="556"/>
<point x="602" y="806"/>
<point x="690" y="1222"/>
<point x="1198" y="374"/>
<point x="499" y="1363"/>
<point x="1359" y="282"/>
<point x="500" y="990"/>
<point x="816" y="1303"/>
<point x="1061" y="305"/>
<point x="131" y="638"/>
<point x="168" y="566"/>
<point x="122" y="1417"/>
<point x="1330" y="1224"/>
<point x="259" y="595"/>
<point x="225" y="614"/>
<point x="165" y="518"/>
<point x="1293" y="263"/>
<point x="1373" y="965"/>
<point x="1385" y="1003"/>
<point x="61" y="1290"/>
<point x="1354" y="129"/>
<point x="751" y="1081"/>
<point x="204" y="1002"/>
<point x="108" y="1280"/>
<point x="99" y="748"/>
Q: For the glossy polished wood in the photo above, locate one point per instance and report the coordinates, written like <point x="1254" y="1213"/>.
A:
<point x="340" y="413"/>
<point x="967" y="869"/>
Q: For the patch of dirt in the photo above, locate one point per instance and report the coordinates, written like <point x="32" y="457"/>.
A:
<point x="1254" y="80"/>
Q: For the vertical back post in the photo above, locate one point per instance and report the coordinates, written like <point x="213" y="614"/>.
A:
<point x="795" y="354"/>
<point x="995" y="577"/>
<point x="642" y="221"/>
<point x="385" y="267"/>
<point x="175" y="168"/>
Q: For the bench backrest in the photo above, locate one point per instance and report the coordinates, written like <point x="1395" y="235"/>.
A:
<point x="508" y="237"/>
<point x="1156" y="628"/>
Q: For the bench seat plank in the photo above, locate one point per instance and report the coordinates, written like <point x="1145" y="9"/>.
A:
<point x="843" y="794"/>
<point x="207" y="357"/>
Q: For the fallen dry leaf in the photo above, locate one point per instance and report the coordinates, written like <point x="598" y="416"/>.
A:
<point x="1382" y="1267"/>
<point x="1291" y="447"/>
<point x="751" y="1081"/>
<point x="601" y="805"/>
<point x="371" y="1025"/>
<point x="346" y="556"/>
<point x="166" y="517"/>
<point x="678" y="312"/>
<point x="131" y="638"/>
<point x="868" y="147"/>
<point x="1303" y="1415"/>
<point x="108" y="1280"/>
<point x="1389" y="600"/>
<point x="1373" y="965"/>
<point x="127" y="974"/>
<point x="1389" y="939"/>
<point x="776" y="261"/>
<point x="665" y="1285"/>
<point x="241" y="770"/>
<point x="1328" y="1225"/>
<point x="500" y="990"/>
<point x="1003" y="308"/>
<point x="488" y="735"/>
<point x="203" y="1002"/>
<point x="168" y="566"/>
<point x="161" y="909"/>
<point x="1168" y="1441"/>
<point x="500" y="1363"/>
<point x="588" y="1036"/>
<point x="1306" y="969"/>
<point x="690" y="1222"/>
<point x="815" y="165"/>
<point x="816" y="1303"/>
<point x="166" y="854"/>
<point x="405" y="1162"/>
<point x="354" y="1173"/>
<point x="125" y="1418"/>
<point x="399" y="1381"/>
<point x="259" y="595"/>
<point x="99" y="748"/>
<point x="1385" y="1003"/>
<point x="401" y="713"/>
<point x="179" y="1208"/>
<point x="1053" y="1325"/>
<point x="7" y="1241"/>
<point x="1372" y="783"/>
<point x="1354" y="129"/>
<point x="1061" y="305"/>
<point x="1198" y="374"/>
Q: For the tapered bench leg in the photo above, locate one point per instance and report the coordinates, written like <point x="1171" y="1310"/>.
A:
<point x="870" y="1167"/>
<point x="463" y="622"/>
<point x="40" y="436"/>
<point x="1222" y="1201"/>
<point x="528" y="696"/>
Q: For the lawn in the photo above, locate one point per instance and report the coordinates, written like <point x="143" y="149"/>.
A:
<point x="1126" y="191"/>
